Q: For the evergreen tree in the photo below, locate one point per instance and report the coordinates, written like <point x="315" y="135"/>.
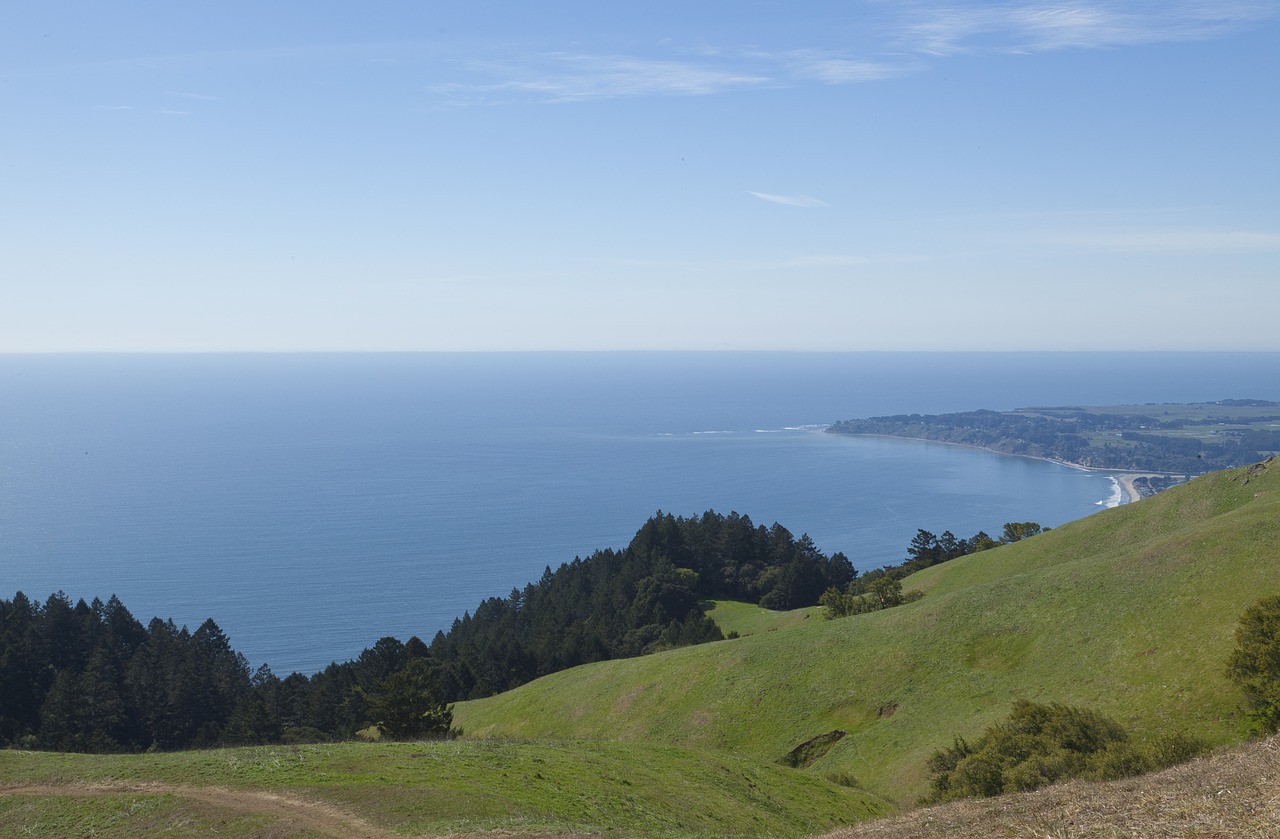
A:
<point x="404" y="704"/>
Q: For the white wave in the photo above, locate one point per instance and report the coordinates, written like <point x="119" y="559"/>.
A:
<point x="1116" y="498"/>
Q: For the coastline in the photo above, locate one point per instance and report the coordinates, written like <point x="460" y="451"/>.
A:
<point x="1125" y="479"/>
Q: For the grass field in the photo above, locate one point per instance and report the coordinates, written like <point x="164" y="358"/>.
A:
<point x="418" y="789"/>
<point x="1130" y="611"/>
<point x="749" y="619"/>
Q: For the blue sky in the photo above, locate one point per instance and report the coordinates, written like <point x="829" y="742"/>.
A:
<point x="874" y="175"/>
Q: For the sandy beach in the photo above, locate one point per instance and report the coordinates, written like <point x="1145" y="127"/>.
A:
<point x="1131" y="492"/>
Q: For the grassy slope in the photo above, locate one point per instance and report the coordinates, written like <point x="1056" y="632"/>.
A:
<point x="749" y="619"/>
<point x="1130" y="611"/>
<point x="427" y="789"/>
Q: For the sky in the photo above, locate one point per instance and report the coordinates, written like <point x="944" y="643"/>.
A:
<point x="812" y="176"/>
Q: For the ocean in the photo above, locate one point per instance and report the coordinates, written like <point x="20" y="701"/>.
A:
<point x="313" y="503"/>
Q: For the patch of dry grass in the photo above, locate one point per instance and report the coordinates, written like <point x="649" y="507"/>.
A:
<point x="1232" y="794"/>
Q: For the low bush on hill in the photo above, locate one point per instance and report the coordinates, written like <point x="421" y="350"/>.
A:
<point x="1255" y="662"/>
<point x="1039" y="744"/>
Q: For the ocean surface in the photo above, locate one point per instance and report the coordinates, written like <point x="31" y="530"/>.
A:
<point x="311" y="504"/>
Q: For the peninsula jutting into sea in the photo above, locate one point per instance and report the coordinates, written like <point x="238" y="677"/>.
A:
<point x="1171" y="440"/>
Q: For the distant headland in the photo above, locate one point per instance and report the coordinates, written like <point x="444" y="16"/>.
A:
<point x="1170" y="439"/>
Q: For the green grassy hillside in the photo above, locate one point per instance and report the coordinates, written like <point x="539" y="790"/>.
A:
<point x="750" y="619"/>
<point x="417" y="789"/>
<point x="1130" y="611"/>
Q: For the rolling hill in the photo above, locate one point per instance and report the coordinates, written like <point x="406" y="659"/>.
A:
<point x="796" y="727"/>
<point x="1130" y="611"/>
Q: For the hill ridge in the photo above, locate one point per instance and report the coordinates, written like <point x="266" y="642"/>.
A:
<point x="1130" y="610"/>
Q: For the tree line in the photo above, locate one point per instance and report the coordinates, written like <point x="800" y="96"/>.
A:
<point x="90" y="677"/>
<point x="649" y="596"/>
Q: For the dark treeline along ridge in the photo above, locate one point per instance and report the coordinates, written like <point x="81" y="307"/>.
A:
<point x="91" y="677"/>
<point x="649" y="596"/>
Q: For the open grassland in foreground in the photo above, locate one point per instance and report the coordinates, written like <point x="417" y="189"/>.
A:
<point x="382" y="790"/>
<point x="1130" y="611"/>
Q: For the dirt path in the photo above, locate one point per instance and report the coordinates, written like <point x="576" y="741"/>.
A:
<point x="298" y="812"/>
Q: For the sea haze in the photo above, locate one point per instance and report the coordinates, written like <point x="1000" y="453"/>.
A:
<point x="311" y="504"/>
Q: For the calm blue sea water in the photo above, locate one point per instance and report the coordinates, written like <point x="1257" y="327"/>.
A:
<point x="311" y="504"/>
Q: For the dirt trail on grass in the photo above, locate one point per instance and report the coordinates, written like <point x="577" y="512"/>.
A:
<point x="296" y="812"/>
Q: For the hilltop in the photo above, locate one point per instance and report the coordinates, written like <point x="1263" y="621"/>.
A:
<point x="1130" y="611"/>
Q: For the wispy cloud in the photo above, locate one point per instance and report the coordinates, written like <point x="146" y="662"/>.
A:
<point x="1039" y="26"/>
<point x="789" y="200"/>
<point x="831" y="67"/>
<point x="565" y="77"/>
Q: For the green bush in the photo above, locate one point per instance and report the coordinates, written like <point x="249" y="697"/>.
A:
<point x="1255" y="662"/>
<point x="1038" y="745"/>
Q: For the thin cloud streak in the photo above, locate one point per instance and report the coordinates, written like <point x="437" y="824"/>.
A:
<point x="1039" y="27"/>
<point x="790" y="200"/>
<point x="561" y="77"/>
<point x="905" y="36"/>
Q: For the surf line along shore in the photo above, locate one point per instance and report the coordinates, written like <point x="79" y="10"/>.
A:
<point x="1129" y="490"/>
<point x="1128" y="485"/>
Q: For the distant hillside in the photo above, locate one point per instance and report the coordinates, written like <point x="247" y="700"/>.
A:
<point x="1182" y="439"/>
<point x="1130" y="611"/>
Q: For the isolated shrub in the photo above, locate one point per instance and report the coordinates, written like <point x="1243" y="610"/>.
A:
<point x="1255" y="662"/>
<point x="1035" y="746"/>
<point x="837" y="604"/>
